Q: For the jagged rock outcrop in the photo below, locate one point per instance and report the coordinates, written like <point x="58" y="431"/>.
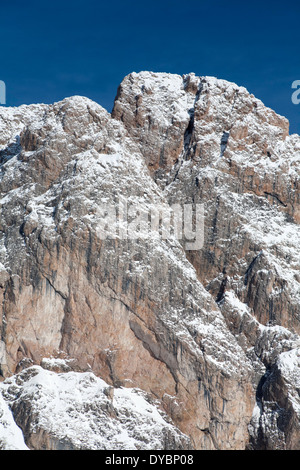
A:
<point x="79" y="411"/>
<point x="233" y="155"/>
<point x="202" y="330"/>
<point x="275" y="424"/>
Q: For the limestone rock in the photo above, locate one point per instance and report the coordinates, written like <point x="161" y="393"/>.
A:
<point x="71" y="411"/>
<point x="85" y="290"/>
<point x="248" y="183"/>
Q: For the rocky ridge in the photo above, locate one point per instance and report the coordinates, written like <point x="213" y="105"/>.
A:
<point x="211" y="334"/>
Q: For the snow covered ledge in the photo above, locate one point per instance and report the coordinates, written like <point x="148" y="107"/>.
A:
<point x="79" y="411"/>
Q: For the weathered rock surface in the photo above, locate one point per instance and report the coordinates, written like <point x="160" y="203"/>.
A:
<point x="203" y="331"/>
<point x="275" y="423"/>
<point x="79" y="411"/>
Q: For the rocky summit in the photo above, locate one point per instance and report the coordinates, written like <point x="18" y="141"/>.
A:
<point x="150" y="271"/>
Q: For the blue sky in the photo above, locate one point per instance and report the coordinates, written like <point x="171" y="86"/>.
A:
<point x="51" y="50"/>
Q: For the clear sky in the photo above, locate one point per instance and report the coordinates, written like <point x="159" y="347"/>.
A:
<point x="54" y="49"/>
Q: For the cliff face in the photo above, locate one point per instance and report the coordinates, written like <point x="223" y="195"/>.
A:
<point x="209" y="141"/>
<point x="210" y="330"/>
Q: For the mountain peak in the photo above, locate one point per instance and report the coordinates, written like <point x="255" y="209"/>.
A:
<point x="201" y="314"/>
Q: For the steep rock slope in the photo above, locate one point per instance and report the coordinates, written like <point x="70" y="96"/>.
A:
<point x="209" y="141"/>
<point x="79" y="411"/>
<point x="200" y="330"/>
